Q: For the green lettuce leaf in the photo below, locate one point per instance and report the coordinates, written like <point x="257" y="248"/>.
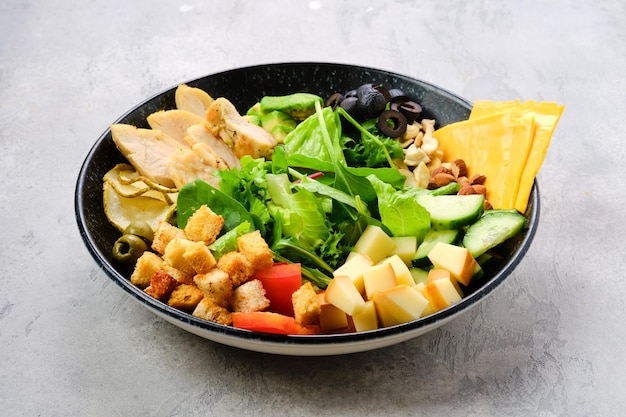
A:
<point x="399" y="210"/>
<point x="301" y="214"/>
<point x="228" y="241"/>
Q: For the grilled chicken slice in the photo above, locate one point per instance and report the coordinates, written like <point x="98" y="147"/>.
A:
<point x="147" y="150"/>
<point x="200" y="134"/>
<point x="174" y="122"/>
<point x="197" y="162"/>
<point x="192" y="99"/>
<point x="242" y="136"/>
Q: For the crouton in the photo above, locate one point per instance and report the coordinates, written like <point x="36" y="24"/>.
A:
<point x="256" y="250"/>
<point x="306" y="305"/>
<point x="216" y="285"/>
<point x="249" y="297"/>
<point x="209" y="310"/>
<point x="161" y="285"/>
<point x="237" y="266"/>
<point x="185" y="297"/>
<point x="145" y="267"/>
<point x="199" y="256"/>
<point x="163" y="234"/>
<point x="204" y="225"/>
<point x="173" y="255"/>
<point x="180" y="276"/>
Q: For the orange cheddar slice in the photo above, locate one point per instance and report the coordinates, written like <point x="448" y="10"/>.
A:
<point x="546" y="116"/>
<point x="496" y="145"/>
<point x="505" y="141"/>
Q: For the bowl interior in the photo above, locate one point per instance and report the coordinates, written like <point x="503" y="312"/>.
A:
<point x="244" y="87"/>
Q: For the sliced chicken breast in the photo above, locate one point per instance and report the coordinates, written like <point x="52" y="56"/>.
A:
<point x="147" y="150"/>
<point x="174" y="122"/>
<point x="245" y="138"/>
<point x="197" y="162"/>
<point x="200" y="134"/>
<point x="192" y="99"/>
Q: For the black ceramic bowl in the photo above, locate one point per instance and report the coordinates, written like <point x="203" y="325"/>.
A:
<point x="244" y="87"/>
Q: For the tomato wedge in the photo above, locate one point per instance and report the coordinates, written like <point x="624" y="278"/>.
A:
<point x="280" y="281"/>
<point x="268" y="322"/>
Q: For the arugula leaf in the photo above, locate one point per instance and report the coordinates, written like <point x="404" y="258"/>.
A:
<point x="371" y="149"/>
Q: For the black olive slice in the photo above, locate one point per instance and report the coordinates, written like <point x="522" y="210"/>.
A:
<point x="411" y="110"/>
<point x="397" y="96"/>
<point x="392" y="123"/>
<point x="334" y="100"/>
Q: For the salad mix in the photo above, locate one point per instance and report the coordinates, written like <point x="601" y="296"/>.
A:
<point x="359" y="219"/>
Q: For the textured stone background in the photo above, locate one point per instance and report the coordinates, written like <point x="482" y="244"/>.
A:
<point x="549" y="342"/>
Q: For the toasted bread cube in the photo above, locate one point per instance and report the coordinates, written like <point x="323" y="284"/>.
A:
<point x="180" y="276"/>
<point x="249" y="297"/>
<point x="306" y="305"/>
<point x="256" y="250"/>
<point x="216" y="285"/>
<point x="174" y="255"/>
<point x="185" y="297"/>
<point x="163" y="234"/>
<point x="161" y="285"/>
<point x="204" y="225"/>
<point x="199" y="256"/>
<point x="209" y="310"/>
<point x="145" y="267"/>
<point x="237" y="266"/>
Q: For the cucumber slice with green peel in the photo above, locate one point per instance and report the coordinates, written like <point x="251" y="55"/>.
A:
<point x="431" y="238"/>
<point x="493" y="228"/>
<point x="452" y="211"/>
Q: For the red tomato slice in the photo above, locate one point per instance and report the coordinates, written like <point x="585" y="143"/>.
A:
<point x="280" y="281"/>
<point x="268" y="322"/>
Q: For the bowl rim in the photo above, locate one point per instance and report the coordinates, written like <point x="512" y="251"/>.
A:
<point x="187" y="320"/>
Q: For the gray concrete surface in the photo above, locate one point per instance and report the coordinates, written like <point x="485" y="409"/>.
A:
<point x="549" y="342"/>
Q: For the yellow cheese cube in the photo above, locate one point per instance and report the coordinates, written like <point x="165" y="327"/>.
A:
<point x="441" y="293"/>
<point x="366" y="319"/>
<point x="401" y="303"/>
<point x="429" y="309"/>
<point x="342" y="293"/>
<point x="455" y="259"/>
<point x="331" y="318"/>
<point x="354" y="266"/>
<point x="378" y="277"/>
<point x="375" y="243"/>
<point x="402" y="272"/>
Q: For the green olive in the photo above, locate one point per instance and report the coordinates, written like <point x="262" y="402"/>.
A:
<point x="128" y="248"/>
<point x="141" y="229"/>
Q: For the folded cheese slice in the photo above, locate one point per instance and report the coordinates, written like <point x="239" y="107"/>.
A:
<point x="496" y="145"/>
<point x="546" y="116"/>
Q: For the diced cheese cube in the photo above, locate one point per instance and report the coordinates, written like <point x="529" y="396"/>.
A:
<point x="367" y="318"/>
<point x="377" y="278"/>
<point x="402" y="272"/>
<point x="375" y="243"/>
<point x="354" y="266"/>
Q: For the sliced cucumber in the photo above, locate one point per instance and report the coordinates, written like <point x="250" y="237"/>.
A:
<point x="419" y="275"/>
<point x="493" y="228"/>
<point x="432" y="237"/>
<point x="452" y="211"/>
